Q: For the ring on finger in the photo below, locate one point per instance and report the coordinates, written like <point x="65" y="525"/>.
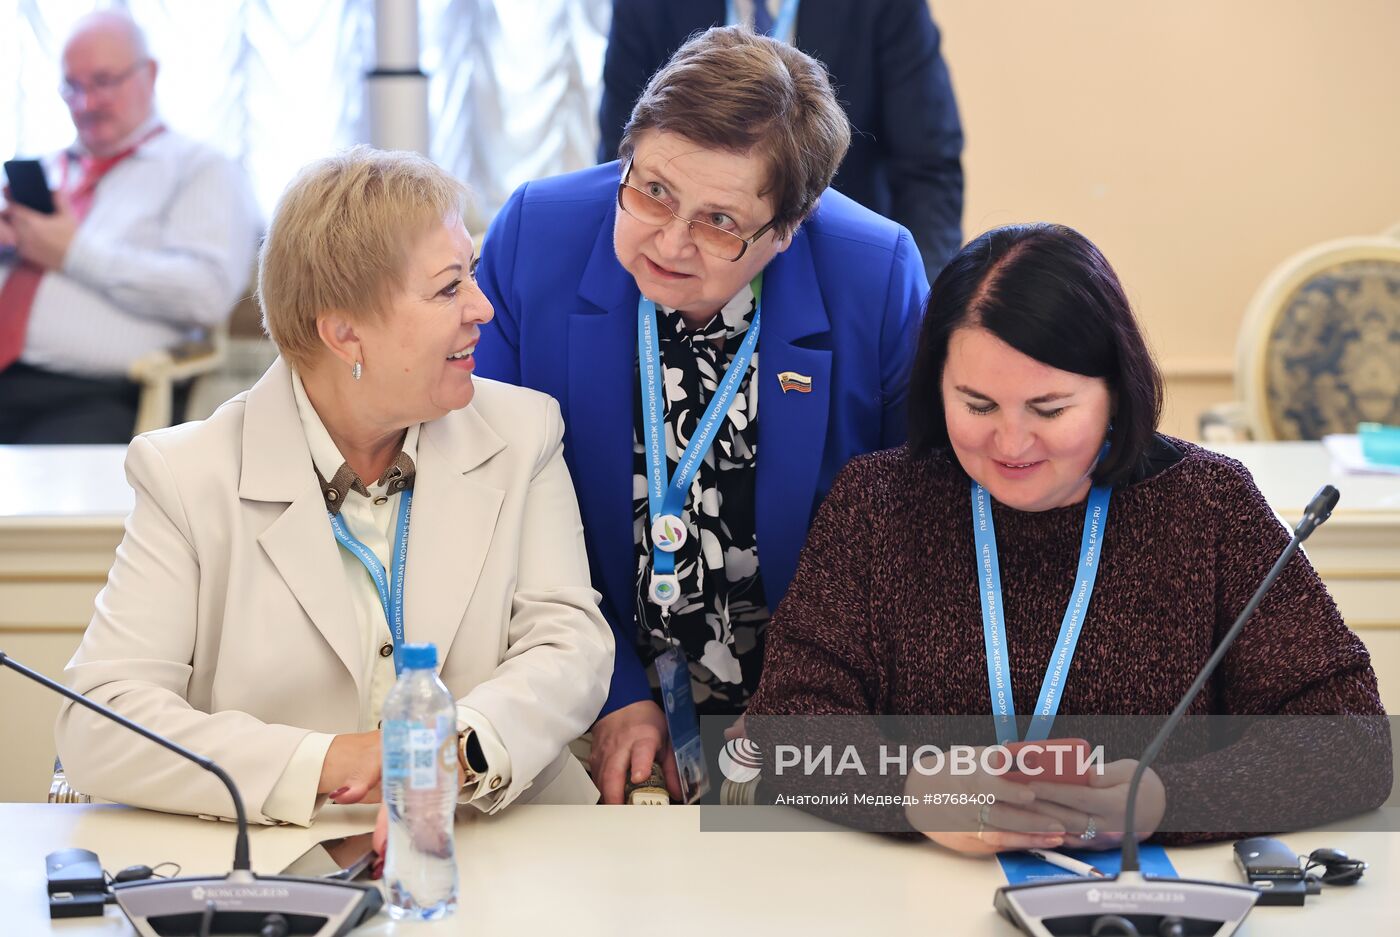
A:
<point x="1090" y="830"/>
<point x="984" y="815"/>
<point x="981" y="828"/>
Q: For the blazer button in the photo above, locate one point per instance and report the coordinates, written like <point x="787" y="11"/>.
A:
<point x="386" y="651"/>
<point x="495" y="782"/>
<point x="381" y="500"/>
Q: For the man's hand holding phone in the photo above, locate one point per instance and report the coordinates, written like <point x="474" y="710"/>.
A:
<point x="36" y="221"/>
<point x="42" y="239"/>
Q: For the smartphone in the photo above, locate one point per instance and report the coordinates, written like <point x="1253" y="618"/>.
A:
<point x="77" y="887"/>
<point x="28" y="185"/>
<point x="1060" y="765"/>
<point x="1274" y="869"/>
<point x="1265" y="858"/>
<point x="344" y="858"/>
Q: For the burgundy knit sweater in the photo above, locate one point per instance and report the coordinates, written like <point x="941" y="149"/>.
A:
<point x="883" y="615"/>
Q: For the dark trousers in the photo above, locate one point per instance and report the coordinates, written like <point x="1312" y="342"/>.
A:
<point x="38" y="406"/>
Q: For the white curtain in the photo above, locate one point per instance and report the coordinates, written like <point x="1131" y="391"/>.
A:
<point x="514" y="89"/>
<point x="277" y="83"/>
<point x="273" y="84"/>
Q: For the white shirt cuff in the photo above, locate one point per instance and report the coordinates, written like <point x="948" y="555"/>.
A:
<point x="491" y="784"/>
<point x="293" y="798"/>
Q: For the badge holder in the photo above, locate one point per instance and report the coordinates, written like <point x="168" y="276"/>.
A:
<point x="668" y="533"/>
<point x="665" y="590"/>
<point x="683" y="723"/>
<point x="665" y="500"/>
<point x="673" y="671"/>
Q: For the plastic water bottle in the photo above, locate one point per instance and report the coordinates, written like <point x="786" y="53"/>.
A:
<point x="420" y="789"/>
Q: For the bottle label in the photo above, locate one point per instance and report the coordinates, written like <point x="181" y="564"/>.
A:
<point x="415" y="752"/>
<point x="395" y="750"/>
<point x="423" y="758"/>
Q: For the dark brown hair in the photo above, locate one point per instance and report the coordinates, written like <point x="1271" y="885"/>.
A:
<point x="1049" y="293"/>
<point x="733" y="90"/>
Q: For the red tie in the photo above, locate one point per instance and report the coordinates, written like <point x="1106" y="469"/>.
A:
<point x="17" y="295"/>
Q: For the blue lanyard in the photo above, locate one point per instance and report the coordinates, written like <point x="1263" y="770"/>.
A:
<point x="666" y="497"/>
<point x="782" y="26"/>
<point x="994" y="626"/>
<point x="390" y="585"/>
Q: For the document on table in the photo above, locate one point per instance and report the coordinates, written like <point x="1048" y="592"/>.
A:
<point x="1345" y="450"/>
<point x="1024" y="867"/>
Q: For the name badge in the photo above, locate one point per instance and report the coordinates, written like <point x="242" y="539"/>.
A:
<point x="684" y="725"/>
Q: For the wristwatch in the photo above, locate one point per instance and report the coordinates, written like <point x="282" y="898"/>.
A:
<point x="471" y="758"/>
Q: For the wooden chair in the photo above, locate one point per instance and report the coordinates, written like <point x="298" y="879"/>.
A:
<point x="159" y="372"/>
<point x="195" y="363"/>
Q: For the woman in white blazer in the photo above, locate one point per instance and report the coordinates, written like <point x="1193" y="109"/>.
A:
<point x="241" y="617"/>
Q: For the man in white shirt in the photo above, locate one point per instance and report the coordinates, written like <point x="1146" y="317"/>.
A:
<point x="151" y="243"/>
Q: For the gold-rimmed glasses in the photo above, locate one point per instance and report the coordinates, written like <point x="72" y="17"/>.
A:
<point x="710" y="238"/>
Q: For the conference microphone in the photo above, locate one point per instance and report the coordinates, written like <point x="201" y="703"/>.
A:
<point x="1131" y="904"/>
<point x="241" y="902"/>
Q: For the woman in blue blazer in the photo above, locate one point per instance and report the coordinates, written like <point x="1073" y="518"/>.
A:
<point x="630" y="291"/>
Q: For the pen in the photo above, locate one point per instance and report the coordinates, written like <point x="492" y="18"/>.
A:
<point x="1065" y="862"/>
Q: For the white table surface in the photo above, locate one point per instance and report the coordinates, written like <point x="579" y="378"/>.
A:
<point x="53" y="484"/>
<point x="626" y="870"/>
<point x="67" y="481"/>
<point x="1289" y="474"/>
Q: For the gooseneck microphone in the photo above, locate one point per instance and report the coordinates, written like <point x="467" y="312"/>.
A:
<point x="240" y="845"/>
<point x="1131" y="903"/>
<point x="1317" y="511"/>
<point x="240" y="902"/>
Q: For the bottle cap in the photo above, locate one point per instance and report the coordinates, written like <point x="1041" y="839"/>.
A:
<point x="420" y="656"/>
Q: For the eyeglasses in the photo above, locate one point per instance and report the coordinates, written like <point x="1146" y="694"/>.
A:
<point x="101" y="83"/>
<point x="711" y="239"/>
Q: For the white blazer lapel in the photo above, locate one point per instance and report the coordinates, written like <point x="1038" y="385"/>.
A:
<point x="451" y="527"/>
<point x="277" y="467"/>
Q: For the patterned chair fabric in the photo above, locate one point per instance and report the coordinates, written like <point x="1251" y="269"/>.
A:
<point x="1325" y="348"/>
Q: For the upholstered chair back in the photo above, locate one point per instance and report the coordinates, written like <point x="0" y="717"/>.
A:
<point x="1319" y="349"/>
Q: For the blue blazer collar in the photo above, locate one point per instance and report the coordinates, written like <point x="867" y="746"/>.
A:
<point x="794" y="309"/>
<point x="792" y="424"/>
<point x="605" y="284"/>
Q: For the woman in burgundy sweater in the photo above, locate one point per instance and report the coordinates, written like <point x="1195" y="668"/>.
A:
<point x="1032" y="379"/>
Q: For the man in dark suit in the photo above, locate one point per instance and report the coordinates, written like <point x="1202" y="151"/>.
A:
<point x="905" y="157"/>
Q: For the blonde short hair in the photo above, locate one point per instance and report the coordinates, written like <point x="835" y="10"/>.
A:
<point x="340" y="237"/>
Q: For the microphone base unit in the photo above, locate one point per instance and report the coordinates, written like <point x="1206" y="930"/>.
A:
<point x="240" y="901"/>
<point x="1171" y="907"/>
